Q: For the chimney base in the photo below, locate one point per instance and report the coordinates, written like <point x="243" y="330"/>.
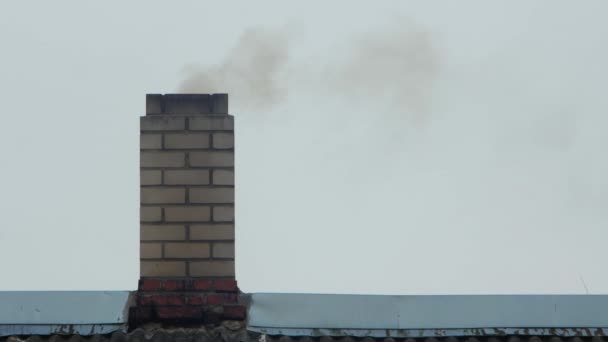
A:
<point x="186" y="301"/>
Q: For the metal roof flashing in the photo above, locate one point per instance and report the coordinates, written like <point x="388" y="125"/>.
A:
<point x="428" y="315"/>
<point x="314" y="315"/>
<point x="63" y="312"/>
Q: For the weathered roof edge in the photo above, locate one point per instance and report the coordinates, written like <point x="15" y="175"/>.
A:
<point x="224" y="334"/>
<point x="63" y="312"/>
<point x="428" y="333"/>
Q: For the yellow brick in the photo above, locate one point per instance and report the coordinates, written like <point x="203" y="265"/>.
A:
<point x="223" y="177"/>
<point x="211" y="268"/>
<point x="162" y="268"/>
<point x="162" y="195"/>
<point x="212" y="195"/>
<point x="162" y="159"/>
<point x="150" y="250"/>
<point x="187" y="177"/>
<point x="187" y="250"/>
<point x="212" y="158"/>
<point x="150" y="141"/>
<point x="223" y="214"/>
<point x="223" y="250"/>
<point x="186" y="140"/>
<point x="187" y="214"/>
<point x="223" y="140"/>
<point x="162" y="232"/>
<point x="149" y="214"/>
<point x="150" y="177"/>
<point x="212" y="232"/>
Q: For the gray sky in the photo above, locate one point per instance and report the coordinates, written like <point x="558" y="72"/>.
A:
<point x="398" y="148"/>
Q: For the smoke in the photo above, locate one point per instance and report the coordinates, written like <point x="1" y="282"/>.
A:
<point x="392" y="149"/>
<point x="394" y="66"/>
<point x="250" y="72"/>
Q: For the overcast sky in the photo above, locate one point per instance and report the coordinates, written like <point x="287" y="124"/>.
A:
<point x="397" y="147"/>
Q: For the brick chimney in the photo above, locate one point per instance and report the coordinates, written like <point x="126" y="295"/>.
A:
<point x="187" y="211"/>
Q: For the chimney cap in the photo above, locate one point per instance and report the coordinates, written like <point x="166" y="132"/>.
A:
<point x="187" y="104"/>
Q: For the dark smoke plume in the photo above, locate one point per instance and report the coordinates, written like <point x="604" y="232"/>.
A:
<point x="394" y="67"/>
<point x="249" y="73"/>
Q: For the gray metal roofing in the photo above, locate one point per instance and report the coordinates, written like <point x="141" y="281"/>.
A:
<point x="381" y="315"/>
<point x="314" y="315"/>
<point x="51" y="312"/>
<point x="63" y="307"/>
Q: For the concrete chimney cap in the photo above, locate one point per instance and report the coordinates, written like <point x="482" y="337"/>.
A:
<point x="187" y="104"/>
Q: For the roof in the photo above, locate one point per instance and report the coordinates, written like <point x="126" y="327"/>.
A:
<point x="229" y="331"/>
<point x="49" y="312"/>
<point x="424" y="316"/>
<point x="225" y="334"/>
<point x="68" y="316"/>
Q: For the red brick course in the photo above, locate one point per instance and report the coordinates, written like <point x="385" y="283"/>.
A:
<point x="235" y="312"/>
<point x="197" y="300"/>
<point x="173" y="285"/>
<point x="225" y="285"/>
<point x="188" y="300"/>
<point x="149" y="284"/>
<point x="180" y="313"/>
<point x="202" y="285"/>
<point x="191" y="284"/>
